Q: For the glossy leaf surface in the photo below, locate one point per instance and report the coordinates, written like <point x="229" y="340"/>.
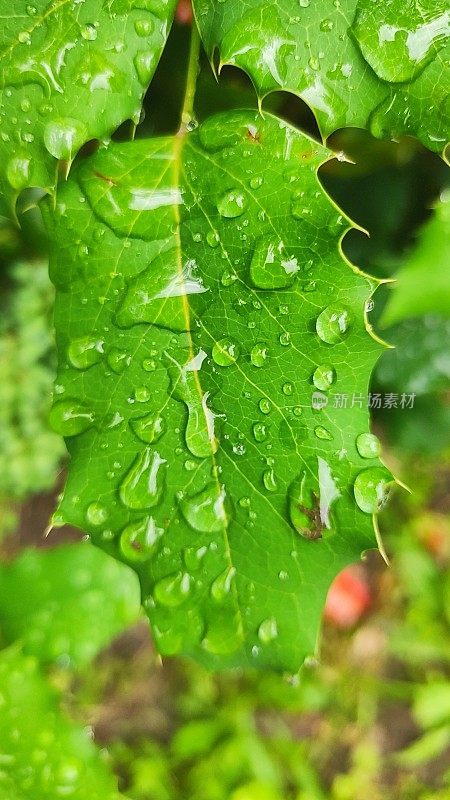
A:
<point x="70" y="72"/>
<point x="45" y="594"/>
<point x="43" y="753"/>
<point x="207" y="326"/>
<point x="356" y="63"/>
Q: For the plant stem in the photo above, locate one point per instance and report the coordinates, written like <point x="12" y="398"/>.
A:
<point x="187" y="113"/>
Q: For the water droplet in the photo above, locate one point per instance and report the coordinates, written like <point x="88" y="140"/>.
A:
<point x="96" y="514"/>
<point x="322" y="433"/>
<point x="70" y="417"/>
<point x="287" y="388"/>
<point x="189" y="465"/>
<point x="285" y="339"/>
<point x="268" y="630"/>
<point x="232" y="204"/>
<point x="89" y="32"/>
<point x="150" y="428"/>
<point x="311" y="497"/>
<point x="271" y="266"/>
<point x="24" y="37"/>
<point x="314" y="63"/>
<point x="139" y="540"/>
<point x="260" y="431"/>
<point x="193" y="557"/>
<point x="143" y="484"/>
<point x="228" y="277"/>
<point x="144" y="64"/>
<point x="224" y="636"/>
<point x="173" y="590"/>
<point x="85" y="352"/>
<point x="213" y="239"/>
<point x="324" y="377"/>
<point x="142" y="394"/>
<point x="221" y="586"/>
<point x="206" y="511"/>
<point x="143" y="27"/>
<point x="303" y="3"/>
<point x="269" y="480"/>
<point x="225" y="352"/>
<point x="63" y="137"/>
<point x="149" y="364"/>
<point x="265" y="405"/>
<point x="259" y="354"/>
<point x="370" y="489"/>
<point x="118" y="360"/>
<point x="368" y="445"/>
<point x="333" y="324"/>
<point x="31" y="10"/>
<point x="200" y="429"/>
<point x="326" y="25"/>
<point x="256" y="182"/>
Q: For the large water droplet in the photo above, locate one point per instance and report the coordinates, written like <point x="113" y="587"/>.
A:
<point x="69" y="417"/>
<point x="207" y="511"/>
<point x="96" y="514"/>
<point x="269" y="480"/>
<point x="224" y="636"/>
<point x="63" y="137"/>
<point x="333" y="324"/>
<point x="200" y="428"/>
<point x="271" y="266"/>
<point x="368" y="445"/>
<point x="232" y="204"/>
<point x="225" y="352"/>
<point x="324" y="377"/>
<point x="85" y="352"/>
<point x="139" y="540"/>
<point x="18" y="171"/>
<point x="143" y="484"/>
<point x="370" y="489"/>
<point x="118" y="360"/>
<point x="221" y="586"/>
<point x="268" y="630"/>
<point x="259" y="354"/>
<point x="260" y="431"/>
<point x="149" y="428"/>
<point x="311" y="497"/>
<point x="173" y="590"/>
<point x="144" y="64"/>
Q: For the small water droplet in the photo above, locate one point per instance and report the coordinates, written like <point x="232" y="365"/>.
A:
<point x="85" y="352"/>
<point x="142" y="394"/>
<point x="285" y="339"/>
<point x="150" y="428"/>
<point x="268" y="630"/>
<point x="144" y="64"/>
<point x="139" y="540"/>
<point x="221" y="586"/>
<point x="322" y="433"/>
<point x="370" y="489"/>
<point x="333" y="324"/>
<point x="324" y="377"/>
<point x="118" y="360"/>
<point x="271" y="266"/>
<point x="24" y="37"/>
<point x="232" y="204"/>
<point x="368" y="445"/>
<point x="256" y="182"/>
<point x="206" y="511"/>
<point x="269" y="480"/>
<point x="70" y="417"/>
<point x="144" y="27"/>
<point x="260" y="431"/>
<point x="143" y="484"/>
<point x="193" y="557"/>
<point x="89" y="32"/>
<point x="96" y="514"/>
<point x="225" y="352"/>
<point x="213" y="239"/>
<point x="265" y="405"/>
<point x="228" y="277"/>
<point x="326" y="25"/>
<point x="287" y="388"/>
<point x="173" y="590"/>
<point x="258" y="354"/>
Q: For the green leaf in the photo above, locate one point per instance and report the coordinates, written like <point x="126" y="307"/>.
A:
<point x="42" y="753"/>
<point x="356" y="64"/>
<point x="70" y="72"/>
<point x="65" y="604"/>
<point x="422" y="285"/>
<point x="203" y="309"/>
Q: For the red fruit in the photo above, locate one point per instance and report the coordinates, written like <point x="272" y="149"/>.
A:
<point x="349" y="597"/>
<point x="183" y="13"/>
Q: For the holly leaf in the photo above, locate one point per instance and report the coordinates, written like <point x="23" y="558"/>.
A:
<point x="67" y="588"/>
<point x="354" y="62"/>
<point x="421" y="284"/>
<point x="212" y="386"/>
<point x="70" y="72"/>
<point x="43" y="753"/>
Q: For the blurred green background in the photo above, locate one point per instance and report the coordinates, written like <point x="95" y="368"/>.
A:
<point x="87" y="709"/>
